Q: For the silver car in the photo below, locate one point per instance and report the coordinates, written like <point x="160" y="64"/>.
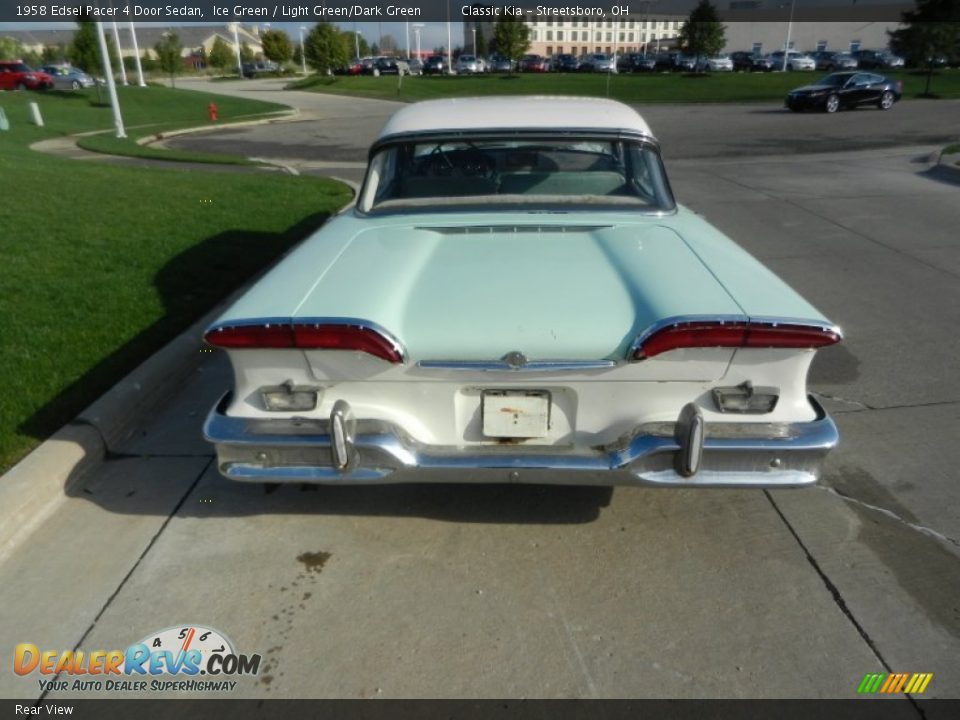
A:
<point x="469" y="65"/>
<point x="598" y="62"/>
<point x="68" y="78"/>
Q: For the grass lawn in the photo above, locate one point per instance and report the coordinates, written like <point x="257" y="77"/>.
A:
<point x="639" y="88"/>
<point x="102" y="264"/>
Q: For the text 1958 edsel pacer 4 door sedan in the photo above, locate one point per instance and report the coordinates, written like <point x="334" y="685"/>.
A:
<point x="515" y="296"/>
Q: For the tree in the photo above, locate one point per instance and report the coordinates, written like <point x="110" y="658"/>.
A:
<point x="388" y="44"/>
<point x="932" y="30"/>
<point x="246" y="54"/>
<point x="276" y="46"/>
<point x="297" y="55"/>
<point x="512" y="37"/>
<point x="374" y="49"/>
<point x="84" y="51"/>
<point x="221" y="56"/>
<point x="703" y="33"/>
<point x="10" y="48"/>
<point x="54" y="53"/>
<point x="169" y="52"/>
<point x="324" y="48"/>
<point x="481" y="44"/>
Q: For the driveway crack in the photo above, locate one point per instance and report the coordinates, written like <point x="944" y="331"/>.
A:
<point x="838" y="597"/>
<point x="890" y="514"/>
<point x="133" y="569"/>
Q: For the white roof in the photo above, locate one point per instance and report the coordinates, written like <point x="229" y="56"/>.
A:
<point x="528" y="112"/>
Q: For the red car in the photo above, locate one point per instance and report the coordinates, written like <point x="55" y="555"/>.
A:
<point x="14" y="75"/>
<point x="533" y="63"/>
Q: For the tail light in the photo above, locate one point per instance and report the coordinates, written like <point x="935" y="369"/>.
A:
<point x="307" y="336"/>
<point x="732" y="334"/>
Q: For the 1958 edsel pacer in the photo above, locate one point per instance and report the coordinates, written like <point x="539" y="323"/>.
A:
<point x="516" y="297"/>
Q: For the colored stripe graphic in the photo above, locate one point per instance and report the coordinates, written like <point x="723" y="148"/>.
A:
<point x="894" y="683"/>
<point x="870" y="683"/>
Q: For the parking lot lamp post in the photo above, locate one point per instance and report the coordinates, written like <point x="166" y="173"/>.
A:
<point x="116" y="42"/>
<point x="449" y="42"/>
<point x="236" y="47"/>
<point x="303" y="51"/>
<point x="406" y="30"/>
<point x="416" y="34"/>
<point x="136" y="55"/>
<point x="473" y="41"/>
<point x="111" y="86"/>
<point x="786" y="47"/>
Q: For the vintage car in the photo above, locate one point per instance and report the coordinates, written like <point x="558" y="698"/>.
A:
<point x="515" y="296"/>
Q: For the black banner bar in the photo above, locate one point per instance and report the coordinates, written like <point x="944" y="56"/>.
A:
<point x="350" y="11"/>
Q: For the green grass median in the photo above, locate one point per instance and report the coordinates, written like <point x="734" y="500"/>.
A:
<point x="103" y="264"/>
<point x="633" y="88"/>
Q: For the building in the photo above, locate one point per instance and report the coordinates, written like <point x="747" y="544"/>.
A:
<point x="624" y="34"/>
<point x="751" y="26"/>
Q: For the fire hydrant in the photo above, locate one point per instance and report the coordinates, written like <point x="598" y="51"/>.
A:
<point x="212" y="112"/>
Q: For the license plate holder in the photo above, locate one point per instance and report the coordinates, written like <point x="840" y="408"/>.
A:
<point x="515" y="413"/>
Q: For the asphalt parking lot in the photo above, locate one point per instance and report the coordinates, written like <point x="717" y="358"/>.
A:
<point x="525" y="591"/>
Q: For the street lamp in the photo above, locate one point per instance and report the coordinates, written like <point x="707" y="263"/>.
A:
<point x="116" y="42"/>
<point x="473" y="40"/>
<point x="786" y="47"/>
<point x="356" y="42"/>
<point x="303" y="51"/>
<point x="111" y="86"/>
<point x="417" y="27"/>
<point x="236" y="47"/>
<point x="449" y="42"/>
<point x="136" y="54"/>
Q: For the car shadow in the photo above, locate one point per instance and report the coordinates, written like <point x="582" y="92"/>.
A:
<point x="189" y="285"/>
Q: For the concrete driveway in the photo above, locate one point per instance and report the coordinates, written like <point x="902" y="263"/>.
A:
<point x="513" y="591"/>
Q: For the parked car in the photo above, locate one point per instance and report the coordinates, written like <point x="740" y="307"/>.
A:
<point x="684" y="63"/>
<point x="597" y="62"/>
<point x="383" y="65"/>
<point x="66" y="77"/>
<point x="252" y="69"/>
<point x="15" y="75"/>
<point x="844" y="90"/>
<point x="762" y="63"/>
<point x="533" y="63"/>
<point x="565" y="63"/>
<point x="827" y="60"/>
<point x="636" y="345"/>
<point x="742" y="60"/>
<point x="877" y="59"/>
<point x="435" y="65"/>
<point x="795" y="61"/>
<point x="416" y="67"/>
<point x="500" y="64"/>
<point x="469" y="65"/>
<point x="715" y="63"/>
<point x="636" y="62"/>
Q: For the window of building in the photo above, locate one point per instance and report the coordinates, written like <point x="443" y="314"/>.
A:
<point x="549" y="50"/>
<point x="559" y="34"/>
<point x="549" y="34"/>
<point x="599" y="37"/>
<point x="629" y="37"/>
<point x="621" y="37"/>
<point x="821" y="45"/>
<point x="609" y="36"/>
<point x="560" y="50"/>
<point x="854" y="45"/>
<point x="757" y="48"/>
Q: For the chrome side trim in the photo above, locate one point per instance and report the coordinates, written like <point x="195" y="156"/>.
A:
<point x="516" y="228"/>
<point x="747" y="319"/>
<point x="528" y="366"/>
<point x="348" y="321"/>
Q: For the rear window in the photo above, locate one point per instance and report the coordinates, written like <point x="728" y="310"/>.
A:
<point x="530" y="171"/>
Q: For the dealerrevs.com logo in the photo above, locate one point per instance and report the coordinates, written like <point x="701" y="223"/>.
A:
<point x="185" y="658"/>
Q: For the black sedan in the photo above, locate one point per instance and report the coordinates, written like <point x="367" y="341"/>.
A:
<point x="846" y="89"/>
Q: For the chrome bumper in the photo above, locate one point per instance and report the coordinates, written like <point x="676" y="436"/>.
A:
<point x="687" y="453"/>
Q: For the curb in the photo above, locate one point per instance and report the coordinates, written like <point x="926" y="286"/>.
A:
<point x="279" y="116"/>
<point x="37" y="485"/>
<point x="950" y="166"/>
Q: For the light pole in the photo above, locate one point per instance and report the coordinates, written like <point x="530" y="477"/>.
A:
<point x="473" y="39"/>
<point x="786" y="47"/>
<point x="303" y="51"/>
<point x="449" y="42"/>
<point x="236" y="47"/>
<point x="416" y="34"/>
<point x="116" y="43"/>
<point x="136" y="55"/>
<point x="406" y="30"/>
<point x="111" y="86"/>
